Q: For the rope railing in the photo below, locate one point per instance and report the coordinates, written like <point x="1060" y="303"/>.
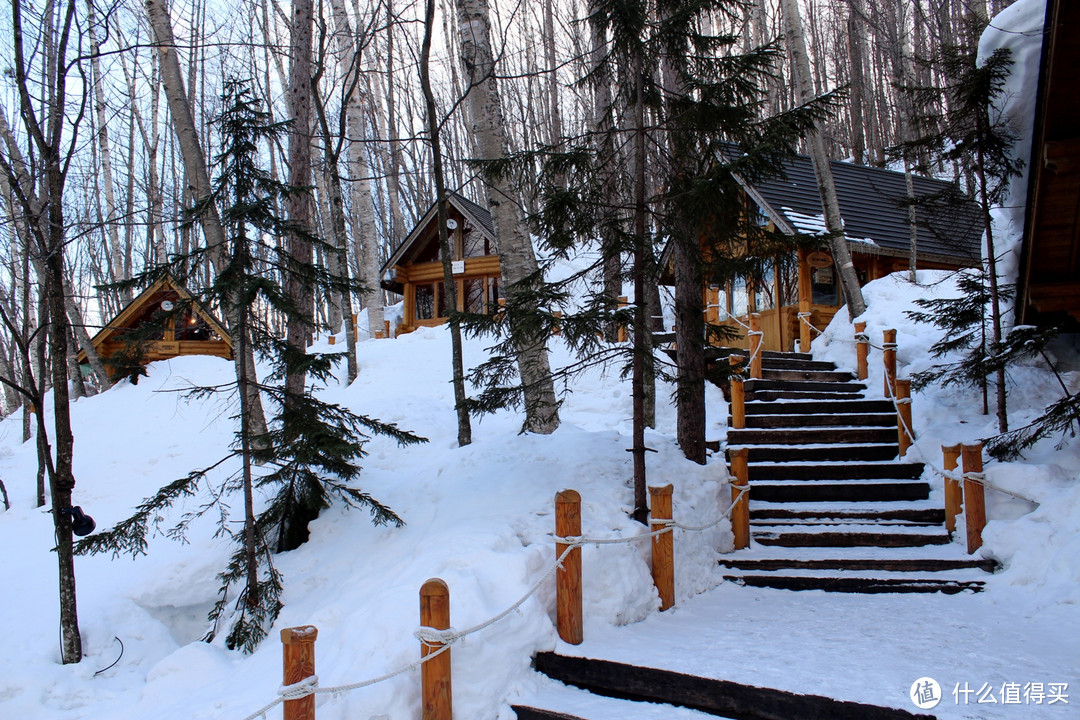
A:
<point x="443" y="639"/>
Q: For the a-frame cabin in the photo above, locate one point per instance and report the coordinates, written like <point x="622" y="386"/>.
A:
<point x="163" y="322"/>
<point x="415" y="270"/>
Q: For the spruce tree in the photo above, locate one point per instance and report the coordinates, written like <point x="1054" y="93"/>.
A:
<point x="705" y="124"/>
<point x="309" y="454"/>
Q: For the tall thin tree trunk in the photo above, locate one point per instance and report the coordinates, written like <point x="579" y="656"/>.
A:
<point x="194" y="160"/>
<point x="299" y="325"/>
<point x="445" y="251"/>
<point x="518" y="261"/>
<point x="800" y="63"/>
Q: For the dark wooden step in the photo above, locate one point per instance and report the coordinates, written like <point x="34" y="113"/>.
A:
<point x="807" y="375"/>
<point x="811" y="436"/>
<point x="774" y="395"/>
<point x="830" y="420"/>
<point x="796" y="453"/>
<point x="778" y="363"/>
<point x="757" y="386"/>
<point x="849" y="539"/>
<point x="842" y="406"/>
<point x="840" y="492"/>
<point x="916" y="515"/>
<point x="525" y="712"/>
<point x="716" y="697"/>
<point x="862" y="564"/>
<point x="835" y="471"/>
<point x="859" y="585"/>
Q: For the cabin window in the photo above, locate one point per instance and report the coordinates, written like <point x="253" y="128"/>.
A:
<point x="494" y="293"/>
<point x="474" y="295"/>
<point x="823" y="282"/>
<point x="474" y="244"/>
<point x="189" y="326"/>
<point x="740" y="298"/>
<point x="425" y="302"/>
<point x="765" y="287"/>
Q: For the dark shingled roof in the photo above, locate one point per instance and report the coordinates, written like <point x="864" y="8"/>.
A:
<point x="872" y="203"/>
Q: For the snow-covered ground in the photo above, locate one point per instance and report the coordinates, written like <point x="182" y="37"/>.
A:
<point x="480" y="518"/>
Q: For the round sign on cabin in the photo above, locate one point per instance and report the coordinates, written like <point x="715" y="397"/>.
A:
<point x="819" y="260"/>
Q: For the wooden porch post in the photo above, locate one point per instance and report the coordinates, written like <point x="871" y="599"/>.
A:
<point x="903" y="416"/>
<point x="805" y="300"/>
<point x="738" y="396"/>
<point x="740" y="513"/>
<point x="568" y="577"/>
<point x="862" y="349"/>
<point x="755" y="346"/>
<point x="890" y="362"/>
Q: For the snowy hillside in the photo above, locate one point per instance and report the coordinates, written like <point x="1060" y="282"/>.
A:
<point x="480" y="518"/>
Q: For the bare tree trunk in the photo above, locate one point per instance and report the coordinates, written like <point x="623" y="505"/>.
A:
<point x="299" y="325"/>
<point x="445" y="251"/>
<point x="517" y="258"/>
<point x="822" y="169"/>
<point x="362" y="201"/>
<point x="637" y="449"/>
<point x="607" y="156"/>
<point x="115" y="256"/>
<point x="856" y="48"/>
<point x="194" y="160"/>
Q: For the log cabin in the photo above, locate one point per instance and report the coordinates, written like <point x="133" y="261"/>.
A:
<point x="415" y="270"/>
<point x="873" y="203"/>
<point x="1048" y="286"/>
<point x="163" y="322"/>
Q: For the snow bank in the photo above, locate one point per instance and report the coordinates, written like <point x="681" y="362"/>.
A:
<point x="480" y="517"/>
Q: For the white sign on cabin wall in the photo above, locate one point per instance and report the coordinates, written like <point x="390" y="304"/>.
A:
<point x="457" y="267"/>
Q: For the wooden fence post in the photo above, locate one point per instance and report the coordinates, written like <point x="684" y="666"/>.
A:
<point x="568" y="577"/>
<point x="890" y="363"/>
<point x="386" y="329"/>
<point x="379" y="335"/>
<point x="903" y="416"/>
<point x="663" y="545"/>
<point x="804" y="326"/>
<point x="954" y="494"/>
<point x="755" y="346"/>
<point x="740" y="513"/>
<point x="435" y="688"/>
<point x="862" y="349"/>
<point x="556" y="325"/>
<point x="974" y="497"/>
<point x="738" y="396"/>
<point x="331" y="339"/>
<point x="298" y="655"/>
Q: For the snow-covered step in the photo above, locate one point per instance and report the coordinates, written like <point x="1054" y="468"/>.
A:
<point x="827" y="386"/>
<point x="859" y="583"/>
<point x="815" y="407"/>
<point x="850" y="536"/>
<point x="717" y="698"/>
<point x="817" y="452"/>
<point x="555" y="701"/>
<point x="807" y="421"/>
<point x="911" y="511"/>
<point x="810" y="436"/>
<point x="886" y="567"/>
<point x="866" y="470"/>
<point x="807" y="375"/>
<point x="770" y="554"/>
<point x="873" y="490"/>
<point x="772" y="395"/>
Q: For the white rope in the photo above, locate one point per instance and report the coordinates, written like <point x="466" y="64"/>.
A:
<point x="804" y="317"/>
<point x="442" y="640"/>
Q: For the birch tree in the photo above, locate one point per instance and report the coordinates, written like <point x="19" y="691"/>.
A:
<point x="517" y="258"/>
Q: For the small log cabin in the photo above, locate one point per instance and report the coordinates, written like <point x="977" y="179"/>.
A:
<point x="415" y="270"/>
<point x="163" y="322"/>
<point x="873" y="205"/>
<point x="1048" y="289"/>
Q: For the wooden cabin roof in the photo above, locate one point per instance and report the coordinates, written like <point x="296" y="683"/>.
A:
<point x="1049" y="281"/>
<point x="873" y="205"/>
<point x="424" y="233"/>
<point x="129" y="316"/>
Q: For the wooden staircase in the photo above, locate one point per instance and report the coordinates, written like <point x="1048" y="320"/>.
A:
<point x="831" y="505"/>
